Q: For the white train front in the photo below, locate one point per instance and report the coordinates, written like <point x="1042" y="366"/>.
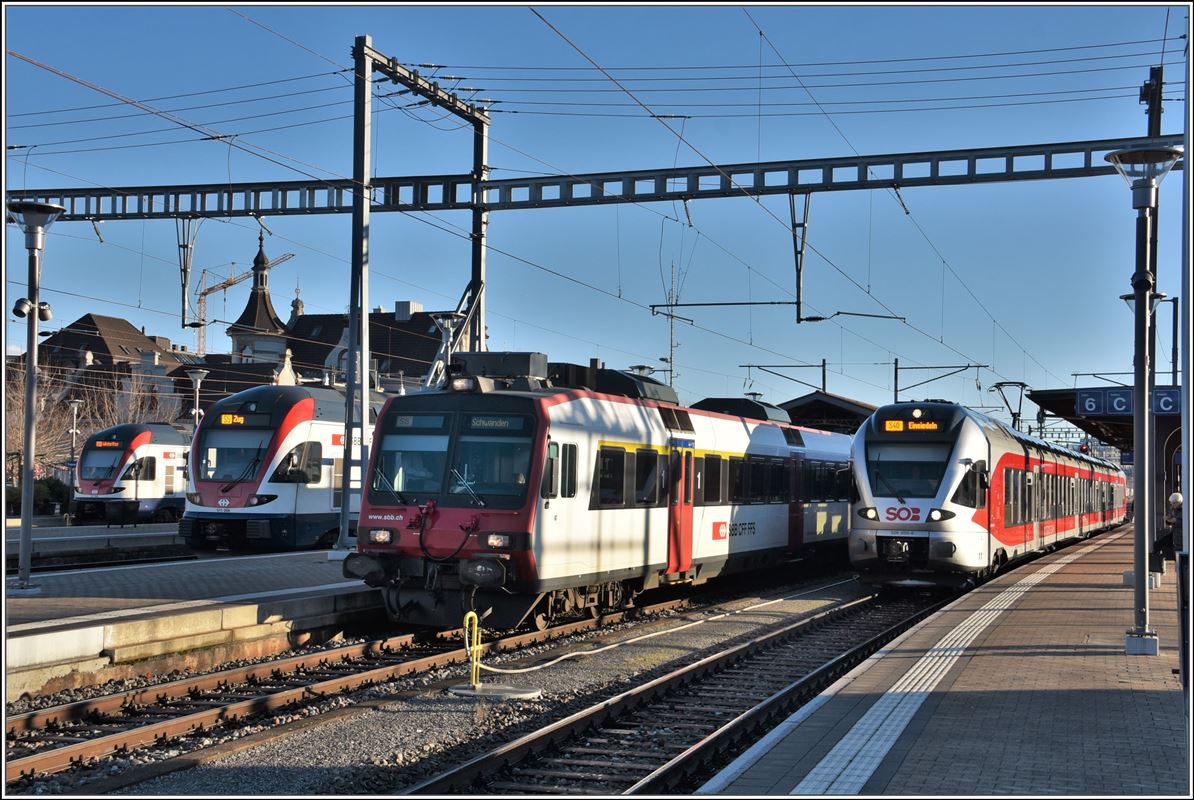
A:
<point x="947" y="496"/>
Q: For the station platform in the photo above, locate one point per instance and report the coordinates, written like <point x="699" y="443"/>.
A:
<point x="95" y="542"/>
<point x="85" y="626"/>
<point x="1020" y="687"/>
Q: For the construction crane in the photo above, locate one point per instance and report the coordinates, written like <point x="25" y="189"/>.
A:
<point x="205" y="290"/>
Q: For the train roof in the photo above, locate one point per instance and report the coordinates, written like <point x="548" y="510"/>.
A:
<point x="161" y="432"/>
<point x="329" y="402"/>
<point x="990" y="423"/>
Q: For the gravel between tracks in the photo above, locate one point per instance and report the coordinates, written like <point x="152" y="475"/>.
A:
<point x="412" y="728"/>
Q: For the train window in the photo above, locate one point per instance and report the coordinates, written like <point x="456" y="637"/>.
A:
<point x="737" y="481"/>
<point x="611" y="477"/>
<point x="646" y="478"/>
<point x="550" y="471"/>
<point x="968" y="490"/>
<point x="668" y="415"/>
<point x="712" y="474"/>
<point x="906" y="470"/>
<point x="778" y="484"/>
<point x="143" y="469"/>
<point x="688" y="478"/>
<point x="99" y="464"/>
<point x="683" y="421"/>
<point x="337" y="482"/>
<point x="757" y="483"/>
<point x="303" y="464"/>
<point x="568" y="471"/>
<point x="843" y="481"/>
<point x="793" y="437"/>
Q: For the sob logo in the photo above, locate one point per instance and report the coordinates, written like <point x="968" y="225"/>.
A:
<point x="902" y="514"/>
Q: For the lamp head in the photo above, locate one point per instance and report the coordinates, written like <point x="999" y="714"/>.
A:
<point x="34" y="218"/>
<point x="22" y="308"/>
<point x="197" y="375"/>
<point x="1145" y="163"/>
<point x="43" y="312"/>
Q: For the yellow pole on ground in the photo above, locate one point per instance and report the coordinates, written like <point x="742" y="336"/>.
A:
<point x="472" y="643"/>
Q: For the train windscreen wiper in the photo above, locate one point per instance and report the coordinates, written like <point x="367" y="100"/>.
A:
<point x="468" y="488"/>
<point x="244" y="475"/>
<point x="385" y="484"/>
<point x="887" y="483"/>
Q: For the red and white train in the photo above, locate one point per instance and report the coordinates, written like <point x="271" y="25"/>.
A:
<point x="266" y="470"/>
<point x="947" y="496"/>
<point x="525" y="497"/>
<point x="132" y="473"/>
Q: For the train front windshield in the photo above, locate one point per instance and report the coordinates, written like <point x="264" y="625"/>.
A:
<point x="230" y="455"/>
<point x="906" y="470"/>
<point x="99" y="463"/>
<point x="461" y="459"/>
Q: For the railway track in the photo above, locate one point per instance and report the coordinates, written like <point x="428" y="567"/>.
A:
<point x="55" y="739"/>
<point x="656" y="737"/>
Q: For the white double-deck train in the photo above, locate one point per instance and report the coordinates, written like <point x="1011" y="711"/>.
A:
<point x="947" y="496"/>
<point x="527" y="497"/>
<point x="266" y="470"/>
<point x="132" y="473"/>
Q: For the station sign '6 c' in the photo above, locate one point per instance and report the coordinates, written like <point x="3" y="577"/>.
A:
<point x="1118" y="401"/>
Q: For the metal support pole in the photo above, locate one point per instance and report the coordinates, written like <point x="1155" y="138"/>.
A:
<point x="896" y="393"/>
<point x="480" y="223"/>
<point x="34" y="241"/>
<point x="356" y="362"/>
<point x="1176" y="314"/>
<point x="823" y="375"/>
<point x="1141" y="640"/>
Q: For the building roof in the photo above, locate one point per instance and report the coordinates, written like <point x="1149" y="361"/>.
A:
<point x="223" y="378"/>
<point x="259" y="315"/>
<point x="408" y="346"/>
<point x="111" y="340"/>
<point x="829" y="412"/>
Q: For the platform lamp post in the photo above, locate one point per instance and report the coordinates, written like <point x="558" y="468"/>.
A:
<point x="196" y="376"/>
<point x="1143" y="168"/>
<point x="34" y="218"/>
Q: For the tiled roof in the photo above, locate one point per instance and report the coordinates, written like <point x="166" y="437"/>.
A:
<point x="111" y="340"/>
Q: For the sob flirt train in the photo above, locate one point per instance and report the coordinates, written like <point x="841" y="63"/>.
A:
<point x="132" y="473"/>
<point x="266" y="470"/>
<point x="947" y="496"/>
<point x="520" y="493"/>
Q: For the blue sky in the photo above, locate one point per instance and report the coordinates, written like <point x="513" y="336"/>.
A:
<point x="1048" y="259"/>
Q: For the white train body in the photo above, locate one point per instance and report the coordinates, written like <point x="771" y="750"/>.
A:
<point x="132" y="473"/>
<point x="618" y="494"/>
<point x="267" y="470"/>
<point x="946" y="495"/>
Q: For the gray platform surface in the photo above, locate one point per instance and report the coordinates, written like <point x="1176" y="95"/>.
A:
<point x="1021" y="687"/>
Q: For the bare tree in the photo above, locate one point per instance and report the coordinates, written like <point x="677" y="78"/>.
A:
<point x="52" y="422"/>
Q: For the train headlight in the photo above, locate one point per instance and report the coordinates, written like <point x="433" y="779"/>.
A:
<point x="464" y="385"/>
<point x="380" y="536"/>
<point x="497" y="540"/>
<point x="194" y="497"/>
<point x="940" y="514"/>
<point x="868" y="513"/>
<point x="261" y="499"/>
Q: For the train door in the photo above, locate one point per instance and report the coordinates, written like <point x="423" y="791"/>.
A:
<point x="680" y="503"/>
<point x="798" y="488"/>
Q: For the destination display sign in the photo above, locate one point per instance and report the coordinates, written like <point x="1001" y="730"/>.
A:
<point x="109" y="444"/>
<point x="496" y="423"/>
<point x="232" y="419"/>
<point x="899" y="425"/>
